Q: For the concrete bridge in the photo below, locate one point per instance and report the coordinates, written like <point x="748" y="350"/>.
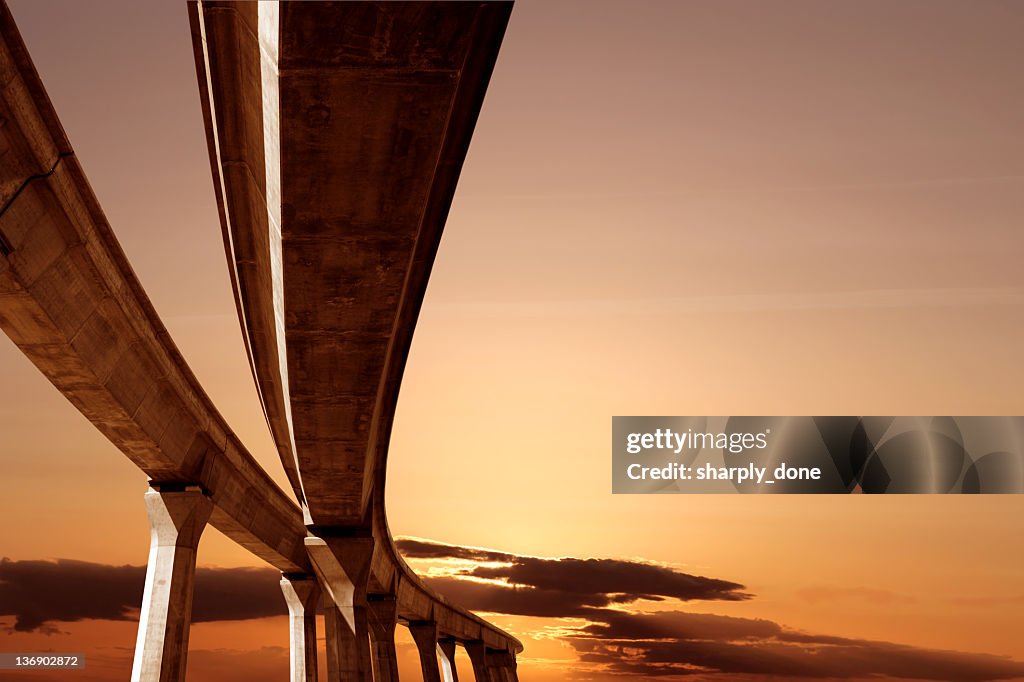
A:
<point x="336" y="132"/>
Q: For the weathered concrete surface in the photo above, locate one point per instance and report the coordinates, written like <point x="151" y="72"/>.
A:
<point x="302" y="594"/>
<point x="177" y="517"/>
<point x="337" y="132"/>
<point x="70" y="301"/>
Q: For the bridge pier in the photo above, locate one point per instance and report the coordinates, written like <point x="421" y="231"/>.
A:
<point x="383" y="611"/>
<point x="342" y="565"/>
<point x="477" y="653"/>
<point x="177" y="517"/>
<point x="302" y="594"/>
<point x="424" y="633"/>
<point x="502" y="666"/>
<point x="491" y="665"/>
<point x="446" y="648"/>
<point x="348" y="650"/>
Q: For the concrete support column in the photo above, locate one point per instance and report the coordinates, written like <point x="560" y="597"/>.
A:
<point x="342" y="565"/>
<point x="334" y="640"/>
<point x="177" y="517"/>
<point x="477" y="653"/>
<point x="502" y="666"/>
<point x="446" y="650"/>
<point x="491" y="665"/>
<point x="348" y="650"/>
<point x="424" y="633"/>
<point x="383" y="617"/>
<point x="302" y="594"/>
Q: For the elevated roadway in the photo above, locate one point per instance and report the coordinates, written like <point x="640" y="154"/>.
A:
<point x="337" y="132"/>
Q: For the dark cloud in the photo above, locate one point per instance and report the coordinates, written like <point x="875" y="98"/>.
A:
<point x="424" y="549"/>
<point x="664" y="625"/>
<point x="674" y="643"/>
<point x="615" y="642"/>
<point x="40" y="593"/>
<point x="535" y="586"/>
<point x="610" y="642"/>
<point x="237" y="594"/>
<point x="521" y="601"/>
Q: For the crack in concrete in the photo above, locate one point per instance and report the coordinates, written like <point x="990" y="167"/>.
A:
<point x="5" y="246"/>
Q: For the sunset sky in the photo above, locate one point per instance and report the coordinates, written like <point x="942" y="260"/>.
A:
<point x="682" y="208"/>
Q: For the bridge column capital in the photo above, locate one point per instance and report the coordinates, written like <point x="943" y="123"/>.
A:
<point x="177" y="516"/>
<point x="302" y="594"/>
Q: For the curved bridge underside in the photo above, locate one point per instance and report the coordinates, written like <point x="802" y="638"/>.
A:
<point x="337" y="132"/>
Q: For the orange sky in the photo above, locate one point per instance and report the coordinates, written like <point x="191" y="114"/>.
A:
<point x="668" y="208"/>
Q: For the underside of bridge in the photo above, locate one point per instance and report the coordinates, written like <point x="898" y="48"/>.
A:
<point x="337" y="132"/>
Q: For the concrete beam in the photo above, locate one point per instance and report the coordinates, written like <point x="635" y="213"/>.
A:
<point x="302" y="594"/>
<point x="177" y="517"/>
